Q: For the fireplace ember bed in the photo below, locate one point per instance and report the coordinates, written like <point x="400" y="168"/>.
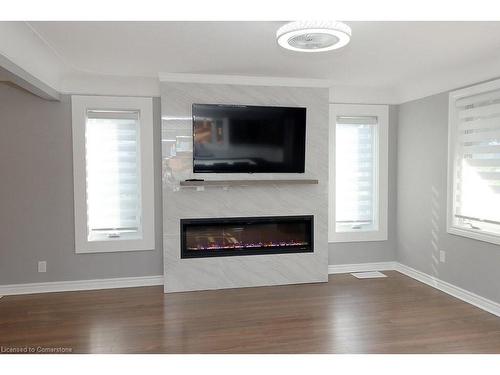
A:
<point x="216" y="237"/>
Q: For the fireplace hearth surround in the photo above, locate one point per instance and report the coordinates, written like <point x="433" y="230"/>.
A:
<point x="218" y="237"/>
<point x="223" y="199"/>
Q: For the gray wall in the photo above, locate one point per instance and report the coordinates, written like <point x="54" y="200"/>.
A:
<point x="421" y="205"/>
<point x="36" y="192"/>
<point x="376" y="251"/>
<point x="36" y="216"/>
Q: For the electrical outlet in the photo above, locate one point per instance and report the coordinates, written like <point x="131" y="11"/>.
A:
<point x="42" y="266"/>
<point x="442" y="256"/>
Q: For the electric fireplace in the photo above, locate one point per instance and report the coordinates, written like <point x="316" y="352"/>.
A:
<point x="246" y="236"/>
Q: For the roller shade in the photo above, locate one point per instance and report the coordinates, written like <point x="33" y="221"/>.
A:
<point x="112" y="172"/>
<point x="476" y="176"/>
<point x="355" y="162"/>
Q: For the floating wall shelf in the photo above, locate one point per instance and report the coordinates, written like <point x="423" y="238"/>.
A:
<point x="248" y="182"/>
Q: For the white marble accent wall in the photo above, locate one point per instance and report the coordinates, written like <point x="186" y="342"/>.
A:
<point x="273" y="200"/>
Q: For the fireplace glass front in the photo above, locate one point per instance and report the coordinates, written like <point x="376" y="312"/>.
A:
<point x="246" y="236"/>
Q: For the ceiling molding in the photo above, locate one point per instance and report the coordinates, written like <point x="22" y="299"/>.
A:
<point x="244" y="80"/>
<point x="20" y="77"/>
<point x="448" y="79"/>
<point x="91" y="84"/>
<point x="30" y="63"/>
<point x="362" y="95"/>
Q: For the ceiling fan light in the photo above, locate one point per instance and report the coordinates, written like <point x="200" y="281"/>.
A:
<point x="313" y="36"/>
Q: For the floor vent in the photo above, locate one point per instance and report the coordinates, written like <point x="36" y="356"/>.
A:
<point x="368" y="275"/>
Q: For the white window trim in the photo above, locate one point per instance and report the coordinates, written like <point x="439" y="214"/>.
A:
<point x="452" y="125"/>
<point x="80" y="104"/>
<point x="382" y="113"/>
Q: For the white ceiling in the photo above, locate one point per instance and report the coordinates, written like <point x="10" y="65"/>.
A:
<point x="401" y="56"/>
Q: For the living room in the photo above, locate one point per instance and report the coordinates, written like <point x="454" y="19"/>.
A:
<point x="250" y="186"/>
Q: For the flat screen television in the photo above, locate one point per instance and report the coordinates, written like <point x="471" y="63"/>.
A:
<point x="248" y="139"/>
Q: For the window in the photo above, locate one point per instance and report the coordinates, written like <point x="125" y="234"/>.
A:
<point x="358" y="173"/>
<point x="474" y="162"/>
<point x="113" y="173"/>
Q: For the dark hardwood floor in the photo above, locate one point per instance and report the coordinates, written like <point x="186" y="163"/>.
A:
<point x="345" y="315"/>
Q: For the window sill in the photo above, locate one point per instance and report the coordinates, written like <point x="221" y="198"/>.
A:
<point x="474" y="234"/>
<point x="98" y="251"/>
<point x="358" y="237"/>
<point x="115" y="246"/>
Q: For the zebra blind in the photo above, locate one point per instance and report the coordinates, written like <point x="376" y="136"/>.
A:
<point x="476" y="174"/>
<point x="355" y="173"/>
<point x="112" y="174"/>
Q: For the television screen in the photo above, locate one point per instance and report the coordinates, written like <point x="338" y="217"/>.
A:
<point x="248" y="139"/>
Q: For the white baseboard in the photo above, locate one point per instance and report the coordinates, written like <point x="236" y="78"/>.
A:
<point x="129" y="282"/>
<point x="66" y="286"/>
<point x="361" y="267"/>
<point x="462" y="294"/>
